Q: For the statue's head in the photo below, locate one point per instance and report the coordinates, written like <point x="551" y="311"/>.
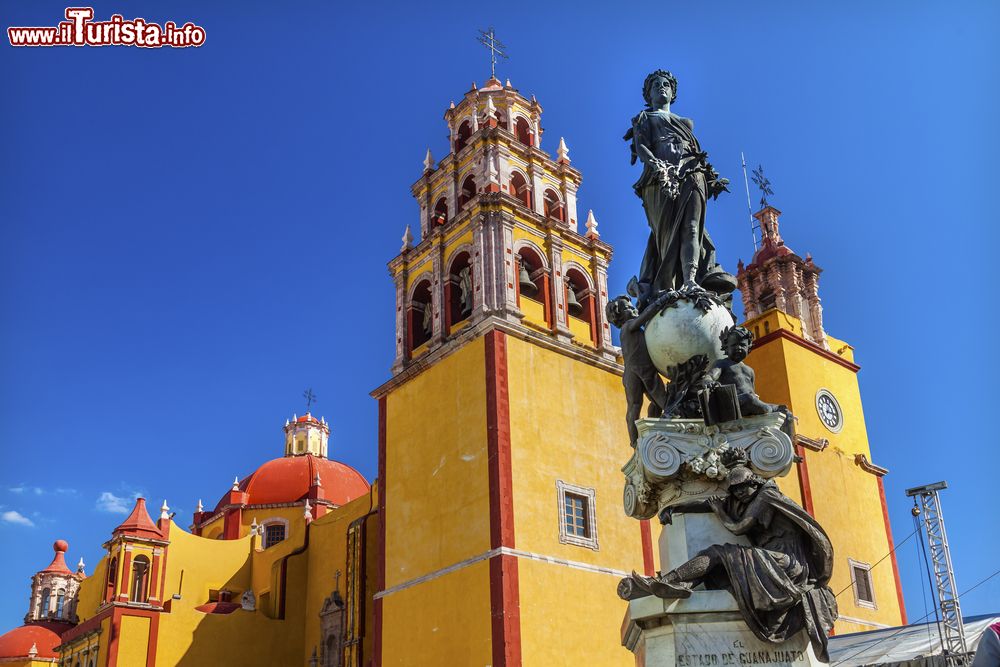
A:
<point x="742" y="482"/>
<point x="655" y="81"/>
<point x="736" y="342"/>
<point x="620" y="310"/>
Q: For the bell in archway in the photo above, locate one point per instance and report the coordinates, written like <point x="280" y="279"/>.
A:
<point x="524" y="278"/>
<point x="572" y="305"/>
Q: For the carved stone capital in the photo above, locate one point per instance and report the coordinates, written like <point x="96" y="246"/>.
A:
<point x="682" y="460"/>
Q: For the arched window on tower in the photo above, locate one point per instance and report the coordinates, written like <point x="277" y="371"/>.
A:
<point x="140" y="579"/>
<point x="467" y="192"/>
<point x="421" y="323"/>
<point x="440" y="216"/>
<point x="109" y="587"/>
<point x="60" y="603"/>
<point x="462" y="138"/>
<point x="580" y="303"/>
<point x="519" y="188"/>
<point x="533" y="293"/>
<point x="501" y="117"/>
<point x="43" y="608"/>
<point x="458" y="290"/>
<point x="553" y="205"/>
<point x="522" y="130"/>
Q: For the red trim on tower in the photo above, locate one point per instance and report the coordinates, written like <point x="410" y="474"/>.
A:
<point x="804" y="488"/>
<point x="380" y="575"/>
<point x="125" y="574"/>
<point x="648" y="567"/>
<point x="895" y="566"/>
<point x="504" y="588"/>
<point x="813" y="347"/>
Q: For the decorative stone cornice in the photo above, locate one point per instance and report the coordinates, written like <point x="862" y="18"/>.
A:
<point x="817" y="445"/>
<point x="543" y="339"/>
<point x="862" y="462"/>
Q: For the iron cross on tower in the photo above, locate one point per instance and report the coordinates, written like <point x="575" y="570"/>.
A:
<point x="488" y="39"/>
<point x="310" y="397"/>
<point x="763" y="184"/>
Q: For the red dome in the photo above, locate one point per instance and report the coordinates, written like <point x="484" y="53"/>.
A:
<point x="44" y="636"/>
<point x="287" y="480"/>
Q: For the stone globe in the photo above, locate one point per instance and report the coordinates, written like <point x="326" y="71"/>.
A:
<point x="685" y="330"/>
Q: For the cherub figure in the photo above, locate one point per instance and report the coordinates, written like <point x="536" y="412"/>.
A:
<point x="641" y="379"/>
<point x="736" y="343"/>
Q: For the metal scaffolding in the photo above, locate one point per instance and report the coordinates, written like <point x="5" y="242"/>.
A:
<point x="928" y="505"/>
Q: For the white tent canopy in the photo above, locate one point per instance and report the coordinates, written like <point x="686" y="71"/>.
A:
<point x="912" y="645"/>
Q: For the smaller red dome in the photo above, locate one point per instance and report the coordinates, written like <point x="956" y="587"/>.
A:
<point x="43" y="636"/>
<point x="287" y="480"/>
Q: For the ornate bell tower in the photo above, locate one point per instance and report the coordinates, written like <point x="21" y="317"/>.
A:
<point x="499" y="238"/>
<point x="800" y="365"/>
<point x="500" y="431"/>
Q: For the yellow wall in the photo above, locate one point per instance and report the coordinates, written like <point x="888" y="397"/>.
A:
<point x="845" y="498"/>
<point x="444" y="621"/>
<point x="327" y="554"/>
<point x="133" y="640"/>
<point x="567" y="424"/>
<point x="190" y="637"/>
<point x="437" y="491"/>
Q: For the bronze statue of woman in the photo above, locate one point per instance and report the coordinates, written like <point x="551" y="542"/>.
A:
<point x="674" y="187"/>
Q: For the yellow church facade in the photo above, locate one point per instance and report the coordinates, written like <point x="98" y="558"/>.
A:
<point x="494" y="533"/>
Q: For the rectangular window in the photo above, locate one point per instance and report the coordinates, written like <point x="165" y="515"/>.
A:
<point x="273" y="534"/>
<point x="861" y="579"/>
<point x="577" y="515"/>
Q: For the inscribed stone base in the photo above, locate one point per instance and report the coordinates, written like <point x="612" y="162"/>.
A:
<point x="705" y="630"/>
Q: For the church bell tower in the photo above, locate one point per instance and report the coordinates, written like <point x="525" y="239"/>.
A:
<point x="500" y="430"/>
<point x="800" y="365"/>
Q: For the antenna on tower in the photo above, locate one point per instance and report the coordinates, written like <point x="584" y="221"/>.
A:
<point x="927" y="503"/>
<point x="488" y="39"/>
<point x="754" y="226"/>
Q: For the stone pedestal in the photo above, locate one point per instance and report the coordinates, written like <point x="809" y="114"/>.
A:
<point x="678" y="461"/>
<point x="705" y="630"/>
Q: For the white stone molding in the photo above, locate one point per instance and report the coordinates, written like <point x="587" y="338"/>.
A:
<point x="492" y="553"/>
<point x="273" y="521"/>
<point x="571" y="264"/>
<point x="528" y="243"/>
<point x="852" y="564"/>
<point x="590" y="496"/>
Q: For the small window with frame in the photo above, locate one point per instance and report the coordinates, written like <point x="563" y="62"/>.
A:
<point x="861" y="582"/>
<point x="577" y="515"/>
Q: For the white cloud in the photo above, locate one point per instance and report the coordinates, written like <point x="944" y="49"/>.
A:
<point x="15" y="517"/>
<point x="109" y="502"/>
<point x="38" y="491"/>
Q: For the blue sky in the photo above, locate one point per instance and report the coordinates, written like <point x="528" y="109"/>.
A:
<point x="190" y="238"/>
